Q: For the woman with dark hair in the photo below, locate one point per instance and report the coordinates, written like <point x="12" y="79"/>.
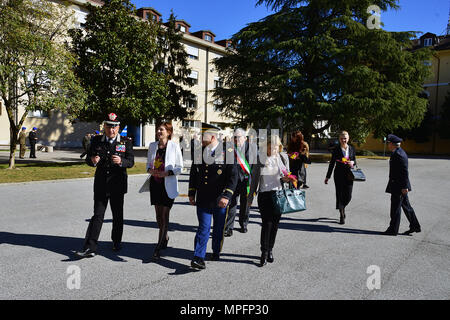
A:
<point x="298" y="151"/>
<point x="344" y="158"/>
<point x="164" y="163"/>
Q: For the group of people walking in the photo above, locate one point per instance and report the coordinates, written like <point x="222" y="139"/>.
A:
<point x="215" y="184"/>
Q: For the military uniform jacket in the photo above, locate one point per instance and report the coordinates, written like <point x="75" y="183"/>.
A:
<point x="208" y="183"/>
<point x="109" y="177"/>
<point x="398" y="172"/>
<point x="22" y="138"/>
<point x="32" y="137"/>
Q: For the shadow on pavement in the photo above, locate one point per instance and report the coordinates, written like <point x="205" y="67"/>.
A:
<point x="66" y="246"/>
<point x="152" y="224"/>
<point x="315" y="227"/>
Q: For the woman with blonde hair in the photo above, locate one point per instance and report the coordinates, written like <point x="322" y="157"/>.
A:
<point x="267" y="178"/>
<point x="343" y="157"/>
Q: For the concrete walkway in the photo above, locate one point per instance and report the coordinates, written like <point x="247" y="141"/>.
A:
<point x="315" y="257"/>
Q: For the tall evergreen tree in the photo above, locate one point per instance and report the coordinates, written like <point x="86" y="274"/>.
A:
<point x="316" y="65"/>
<point x="118" y="54"/>
<point x="173" y="62"/>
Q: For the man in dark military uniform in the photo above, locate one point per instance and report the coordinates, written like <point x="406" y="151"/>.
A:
<point x="111" y="154"/>
<point x="399" y="186"/>
<point x="211" y="186"/>
<point x="32" y="136"/>
<point x="241" y="158"/>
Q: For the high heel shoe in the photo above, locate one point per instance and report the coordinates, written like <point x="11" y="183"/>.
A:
<point x="156" y="253"/>
<point x="263" y="260"/>
<point x="164" y="243"/>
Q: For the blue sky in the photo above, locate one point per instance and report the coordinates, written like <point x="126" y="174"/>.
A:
<point x="227" y="17"/>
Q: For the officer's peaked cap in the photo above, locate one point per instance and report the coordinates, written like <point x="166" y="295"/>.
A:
<point x="112" y="119"/>
<point x="394" y="139"/>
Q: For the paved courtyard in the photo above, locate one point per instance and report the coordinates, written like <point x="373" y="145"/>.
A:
<point x="315" y="257"/>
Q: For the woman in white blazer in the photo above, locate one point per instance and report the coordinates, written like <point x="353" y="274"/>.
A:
<point x="164" y="164"/>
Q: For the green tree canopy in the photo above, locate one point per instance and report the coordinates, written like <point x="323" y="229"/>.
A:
<point x="316" y="65"/>
<point x="36" y="68"/>
<point x="173" y="61"/>
<point x="118" y="53"/>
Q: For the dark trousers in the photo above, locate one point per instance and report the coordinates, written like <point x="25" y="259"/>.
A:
<point x="399" y="202"/>
<point x="344" y="189"/>
<point x="270" y="220"/>
<point x="95" y="225"/>
<point x="241" y="192"/>
<point x="32" y="150"/>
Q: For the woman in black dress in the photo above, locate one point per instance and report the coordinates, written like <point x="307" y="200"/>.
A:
<point x="164" y="163"/>
<point x="343" y="157"/>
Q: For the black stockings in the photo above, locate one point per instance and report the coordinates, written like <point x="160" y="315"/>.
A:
<point x="162" y="218"/>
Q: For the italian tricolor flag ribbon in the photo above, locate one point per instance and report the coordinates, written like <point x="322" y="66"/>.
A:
<point x="244" y="166"/>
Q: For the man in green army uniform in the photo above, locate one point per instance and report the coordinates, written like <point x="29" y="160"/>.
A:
<point x="22" y="142"/>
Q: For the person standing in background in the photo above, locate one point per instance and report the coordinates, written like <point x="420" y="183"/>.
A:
<point x="86" y="144"/>
<point x="32" y="136"/>
<point x="23" y="142"/>
<point x="298" y="152"/>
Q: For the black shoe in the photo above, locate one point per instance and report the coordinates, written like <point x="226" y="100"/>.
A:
<point x="389" y="232"/>
<point x="305" y="186"/>
<point x="228" y="233"/>
<point x="156" y="254"/>
<point x="215" y="257"/>
<point x="411" y="231"/>
<point x="270" y="257"/>
<point x="116" y="247"/>
<point x="88" y="253"/>
<point x="342" y="217"/>
<point x="263" y="260"/>
<point x="164" y="243"/>
<point x="244" y="229"/>
<point x="198" y="263"/>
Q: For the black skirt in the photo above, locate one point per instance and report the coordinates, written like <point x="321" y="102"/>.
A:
<point x="158" y="194"/>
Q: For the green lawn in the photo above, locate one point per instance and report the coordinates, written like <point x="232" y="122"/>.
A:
<point x="73" y="170"/>
<point x="53" y="171"/>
